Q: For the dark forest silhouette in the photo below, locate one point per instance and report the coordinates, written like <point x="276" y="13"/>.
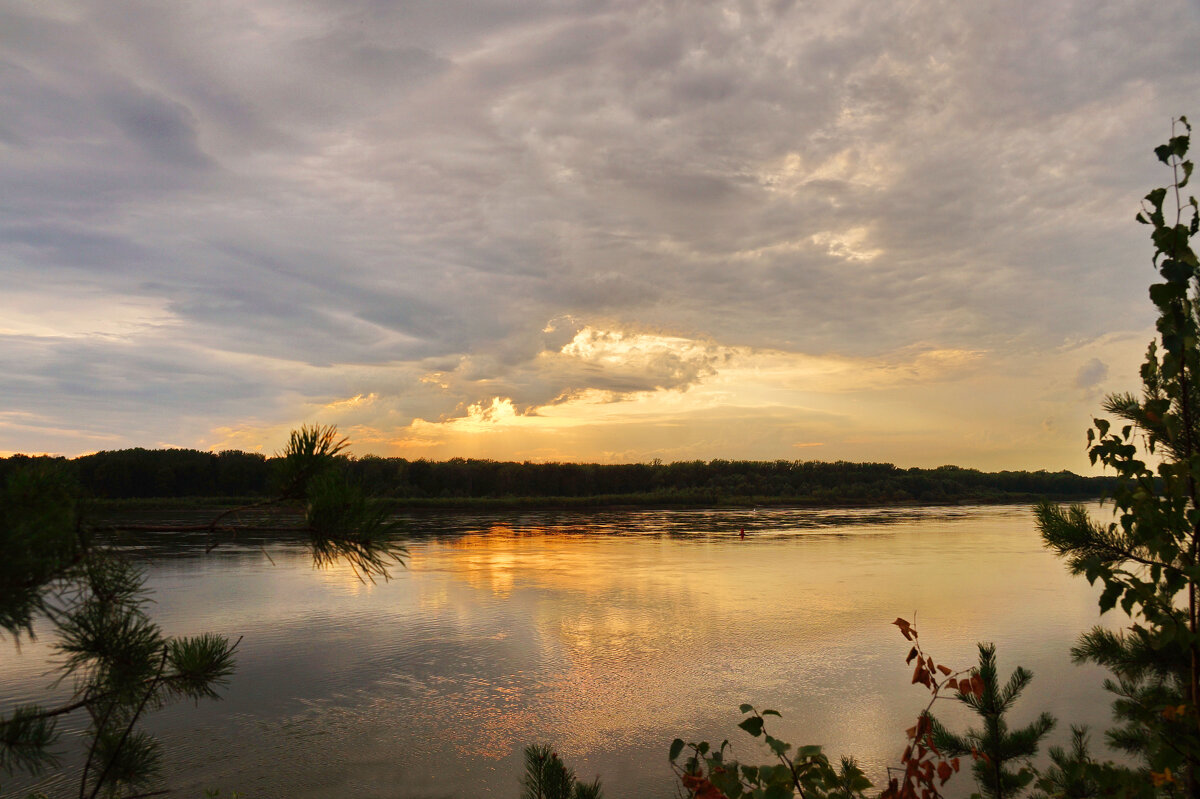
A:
<point x="186" y="473"/>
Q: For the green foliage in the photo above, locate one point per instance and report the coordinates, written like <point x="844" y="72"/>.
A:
<point x="1074" y="774"/>
<point x="707" y="773"/>
<point x="344" y="525"/>
<point x="127" y="760"/>
<point x="199" y="666"/>
<point x="40" y="539"/>
<point x="122" y="665"/>
<point x="105" y="637"/>
<point x="995" y="747"/>
<point x="1147" y="560"/>
<point x="1146" y="682"/>
<point x="547" y="777"/>
<point x="25" y="740"/>
<point x="309" y="453"/>
<point x="119" y="661"/>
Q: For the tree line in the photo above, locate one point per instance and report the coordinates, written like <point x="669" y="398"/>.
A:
<point x="188" y="473"/>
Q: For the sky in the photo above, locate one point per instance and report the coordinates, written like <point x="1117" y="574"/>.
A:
<point x="593" y="231"/>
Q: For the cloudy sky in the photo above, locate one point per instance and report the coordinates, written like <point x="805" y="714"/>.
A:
<point x="604" y="231"/>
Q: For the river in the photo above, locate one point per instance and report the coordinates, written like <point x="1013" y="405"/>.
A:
<point x="606" y="634"/>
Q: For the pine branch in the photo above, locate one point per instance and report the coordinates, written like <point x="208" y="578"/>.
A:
<point x="129" y="727"/>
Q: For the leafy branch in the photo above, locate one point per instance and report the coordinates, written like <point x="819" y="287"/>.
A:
<point x="924" y="769"/>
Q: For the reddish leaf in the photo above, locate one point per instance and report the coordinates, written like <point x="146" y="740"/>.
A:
<point x="912" y="653"/>
<point x="905" y="628"/>
<point x="944" y="670"/>
<point x="953" y="684"/>
<point x="700" y="787"/>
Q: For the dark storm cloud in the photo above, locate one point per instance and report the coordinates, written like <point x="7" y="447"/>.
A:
<point x="371" y="185"/>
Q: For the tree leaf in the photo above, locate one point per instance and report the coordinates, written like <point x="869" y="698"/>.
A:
<point x="752" y="725"/>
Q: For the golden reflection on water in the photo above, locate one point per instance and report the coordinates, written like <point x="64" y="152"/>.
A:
<point x="607" y="635"/>
<point x="645" y="632"/>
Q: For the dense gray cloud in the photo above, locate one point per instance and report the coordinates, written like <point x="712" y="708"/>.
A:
<point x="363" y="193"/>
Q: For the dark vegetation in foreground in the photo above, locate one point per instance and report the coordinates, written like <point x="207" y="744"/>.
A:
<point x="142" y="474"/>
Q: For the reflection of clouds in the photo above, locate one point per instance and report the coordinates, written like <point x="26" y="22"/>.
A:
<point x="434" y="600"/>
<point x="645" y="630"/>
<point x="607" y="634"/>
<point x="485" y="566"/>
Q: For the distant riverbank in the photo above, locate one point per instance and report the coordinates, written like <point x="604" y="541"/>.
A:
<point x="206" y="479"/>
<point x="606" y="502"/>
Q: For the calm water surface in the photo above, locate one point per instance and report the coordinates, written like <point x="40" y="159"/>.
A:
<point x="607" y="634"/>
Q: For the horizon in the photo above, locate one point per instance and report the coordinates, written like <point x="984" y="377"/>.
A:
<point x="349" y="453"/>
<point x="601" y="233"/>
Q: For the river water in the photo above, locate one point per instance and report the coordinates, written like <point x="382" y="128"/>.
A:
<point x="606" y="634"/>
